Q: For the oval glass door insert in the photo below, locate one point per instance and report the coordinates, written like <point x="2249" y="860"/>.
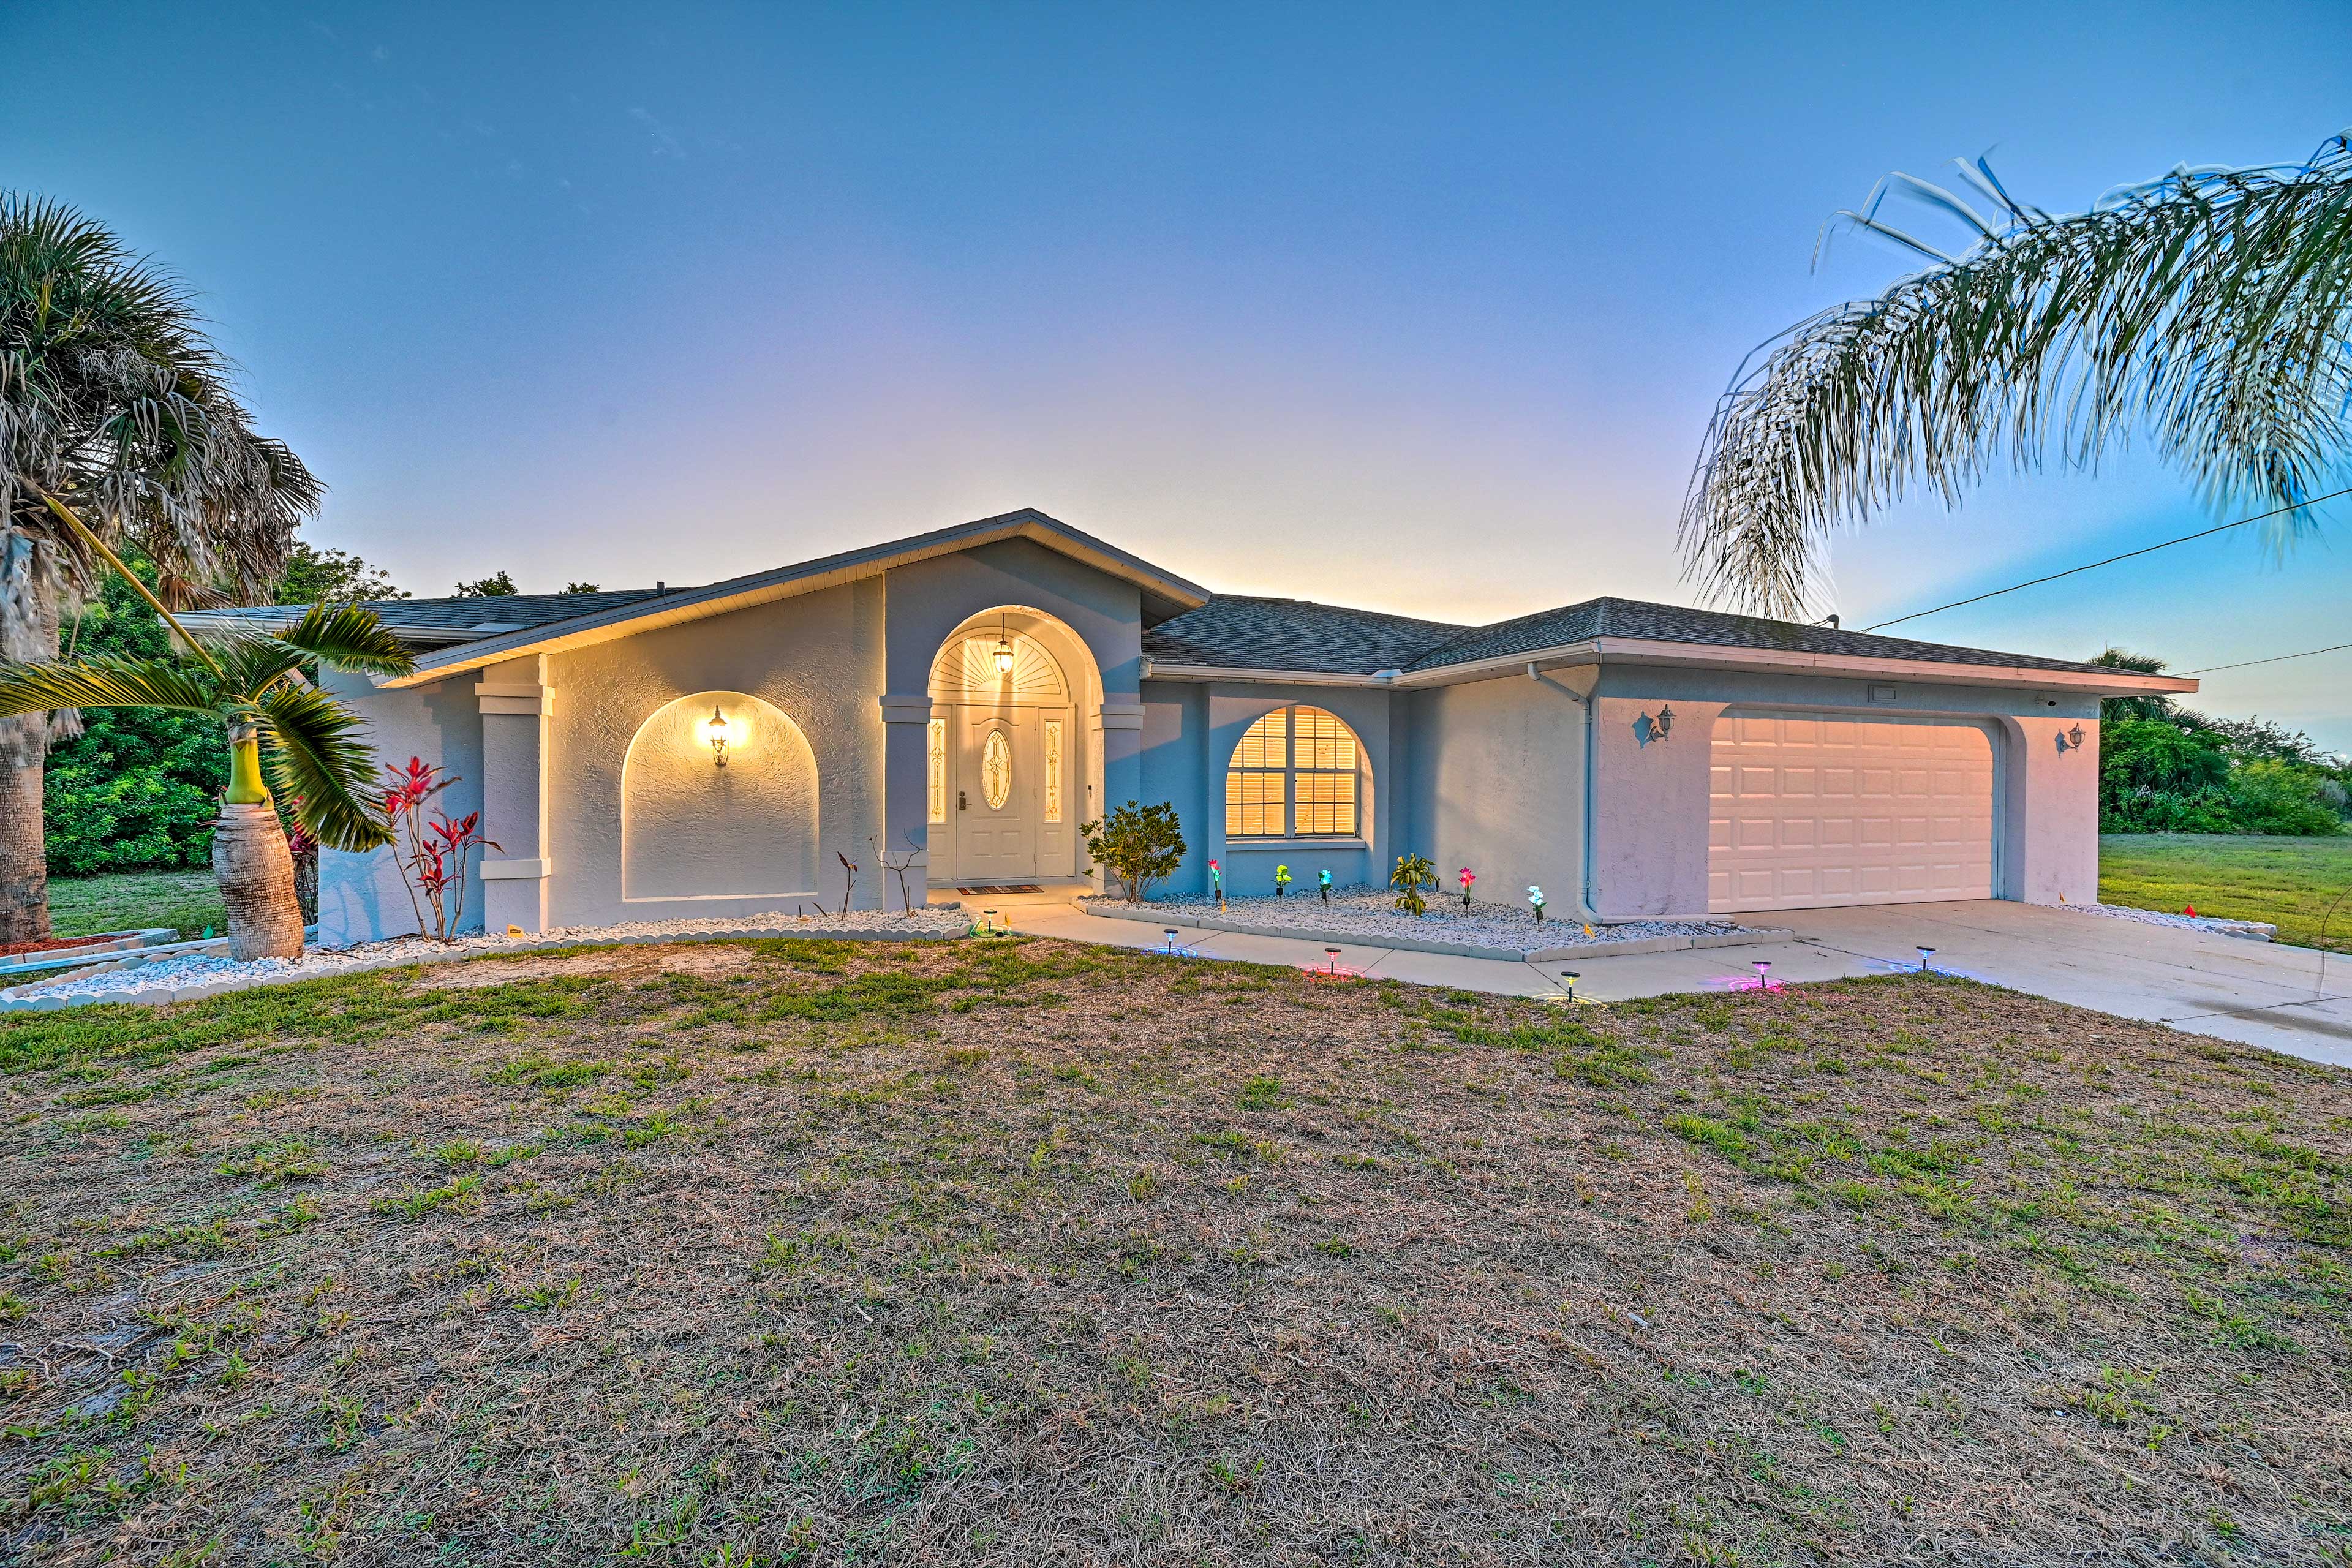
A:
<point x="996" y="770"/>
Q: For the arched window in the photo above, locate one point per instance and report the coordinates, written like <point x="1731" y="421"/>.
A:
<point x="1294" y="776"/>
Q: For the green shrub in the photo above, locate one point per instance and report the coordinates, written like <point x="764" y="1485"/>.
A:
<point x="2280" y="797"/>
<point x="1137" y="844"/>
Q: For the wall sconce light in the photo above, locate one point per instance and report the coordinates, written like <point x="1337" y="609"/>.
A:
<point x="717" y="728"/>
<point x="2071" y="740"/>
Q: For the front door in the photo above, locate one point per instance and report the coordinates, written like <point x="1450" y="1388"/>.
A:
<point x="996" y="797"/>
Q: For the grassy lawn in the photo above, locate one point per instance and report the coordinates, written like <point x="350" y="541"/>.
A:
<point x="128" y="900"/>
<point x="1028" y="1253"/>
<point x="2288" y="881"/>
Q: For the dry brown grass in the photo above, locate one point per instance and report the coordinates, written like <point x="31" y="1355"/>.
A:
<point x="1026" y="1253"/>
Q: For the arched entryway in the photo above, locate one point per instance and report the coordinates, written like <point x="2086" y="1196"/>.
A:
<point x="1012" y="766"/>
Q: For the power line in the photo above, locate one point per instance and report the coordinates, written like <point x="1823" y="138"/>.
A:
<point x="2214" y="668"/>
<point x="2145" y="550"/>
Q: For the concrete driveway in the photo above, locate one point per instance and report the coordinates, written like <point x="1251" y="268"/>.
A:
<point x="2260" y="993"/>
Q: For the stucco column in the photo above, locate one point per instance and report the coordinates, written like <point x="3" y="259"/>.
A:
<point x="2050" y="808"/>
<point x="906" y="796"/>
<point x="515" y="701"/>
<point x="1117" y="735"/>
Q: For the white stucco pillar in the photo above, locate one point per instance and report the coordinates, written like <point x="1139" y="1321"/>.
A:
<point x="906" y="796"/>
<point x="515" y="702"/>
<point x="2050" y="816"/>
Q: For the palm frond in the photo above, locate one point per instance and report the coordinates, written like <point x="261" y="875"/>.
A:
<point x="107" y="682"/>
<point x="348" y="636"/>
<point x="113" y="397"/>
<point x="2209" y="312"/>
<point x="253" y="661"/>
<point x="313" y="747"/>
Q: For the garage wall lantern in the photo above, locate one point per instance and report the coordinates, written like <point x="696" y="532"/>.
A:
<point x="717" y="728"/>
<point x="2071" y="740"/>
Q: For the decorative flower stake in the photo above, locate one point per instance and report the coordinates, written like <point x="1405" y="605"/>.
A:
<point x="1535" y="901"/>
<point x="1281" y="879"/>
<point x="1217" y="876"/>
<point x="1323" y="885"/>
<point x="1468" y="877"/>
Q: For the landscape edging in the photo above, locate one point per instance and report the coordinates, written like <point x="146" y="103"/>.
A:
<point x="1742" y="937"/>
<point x="158" y="996"/>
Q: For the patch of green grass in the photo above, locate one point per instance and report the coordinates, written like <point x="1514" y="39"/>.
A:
<point x="418" y="1205"/>
<point x="2289" y="882"/>
<point x="187" y="901"/>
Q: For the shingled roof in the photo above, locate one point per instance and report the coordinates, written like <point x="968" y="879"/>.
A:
<point x="1234" y="631"/>
<point x="1231" y="632"/>
<point x="511" y="612"/>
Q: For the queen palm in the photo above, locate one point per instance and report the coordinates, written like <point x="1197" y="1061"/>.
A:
<point x="2208" y="313"/>
<point x="279" y="727"/>
<point x="113" y="401"/>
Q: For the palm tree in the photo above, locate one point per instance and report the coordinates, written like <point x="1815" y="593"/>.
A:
<point x="279" y="728"/>
<point x="2210" y="310"/>
<point x="113" y="401"/>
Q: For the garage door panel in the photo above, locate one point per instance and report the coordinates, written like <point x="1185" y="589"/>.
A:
<point x="1811" y="810"/>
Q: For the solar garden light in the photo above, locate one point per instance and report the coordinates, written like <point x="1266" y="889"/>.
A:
<point x="1468" y="877"/>
<point x="1281" y="879"/>
<point x="1217" y="876"/>
<point x="1323" y="885"/>
<point x="1333" y="954"/>
<point x="1569" y="977"/>
<point x="1762" y="964"/>
<point x="1535" y="901"/>
<point x="989" y="916"/>
<point x="1925" y="954"/>
<point x="1169" y="932"/>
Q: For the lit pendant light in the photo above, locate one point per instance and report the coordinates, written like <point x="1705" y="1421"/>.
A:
<point x="717" y="728"/>
<point x="1003" y="651"/>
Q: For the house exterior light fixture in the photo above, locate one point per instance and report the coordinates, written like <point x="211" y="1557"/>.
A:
<point x="718" y="731"/>
<point x="1003" y="649"/>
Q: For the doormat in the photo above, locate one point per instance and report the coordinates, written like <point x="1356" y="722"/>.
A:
<point x="1003" y="887"/>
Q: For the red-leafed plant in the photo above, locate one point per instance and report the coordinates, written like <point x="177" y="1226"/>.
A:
<point x="431" y="853"/>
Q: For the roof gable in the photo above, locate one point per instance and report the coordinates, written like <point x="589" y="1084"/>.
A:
<point x="492" y="630"/>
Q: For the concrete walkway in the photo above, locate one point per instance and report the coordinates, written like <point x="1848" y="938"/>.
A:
<point x="2260" y="993"/>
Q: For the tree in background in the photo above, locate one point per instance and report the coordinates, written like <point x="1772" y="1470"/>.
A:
<point x="499" y="586"/>
<point x="2164" y="768"/>
<point x="315" y="576"/>
<point x="114" y="406"/>
<point x="2209" y="312"/>
<point x="581" y="588"/>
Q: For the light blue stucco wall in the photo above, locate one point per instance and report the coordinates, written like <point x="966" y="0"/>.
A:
<point x="1190" y="731"/>
<point x="1494" y="781"/>
<point x="361" y="897"/>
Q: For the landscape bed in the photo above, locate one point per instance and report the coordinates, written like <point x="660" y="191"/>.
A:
<point x="1021" y="1252"/>
<point x="1367" y="916"/>
<point x="193" y="976"/>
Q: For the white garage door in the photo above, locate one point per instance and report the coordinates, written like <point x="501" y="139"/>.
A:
<point x="1809" y="811"/>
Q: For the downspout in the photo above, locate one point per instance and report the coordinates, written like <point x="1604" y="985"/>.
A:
<point x="1584" y="847"/>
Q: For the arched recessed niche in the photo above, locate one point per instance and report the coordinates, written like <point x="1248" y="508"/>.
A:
<point x="691" y="828"/>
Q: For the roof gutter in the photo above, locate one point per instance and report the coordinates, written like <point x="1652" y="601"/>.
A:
<point x="1696" y="655"/>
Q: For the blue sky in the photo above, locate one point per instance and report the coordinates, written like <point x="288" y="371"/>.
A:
<point x="1417" y="308"/>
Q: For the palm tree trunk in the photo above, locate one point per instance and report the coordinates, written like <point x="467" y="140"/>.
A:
<point x="256" y="872"/>
<point x="28" y="631"/>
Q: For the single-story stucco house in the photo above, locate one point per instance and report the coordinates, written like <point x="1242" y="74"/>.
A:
<point x="979" y="692"/>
